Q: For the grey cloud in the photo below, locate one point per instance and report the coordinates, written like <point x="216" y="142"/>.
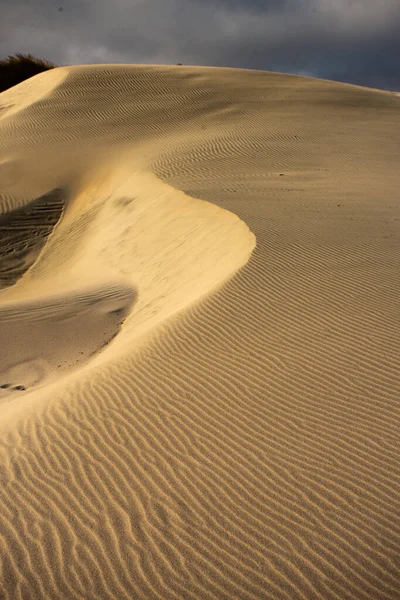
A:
<point x="349" y="41"/>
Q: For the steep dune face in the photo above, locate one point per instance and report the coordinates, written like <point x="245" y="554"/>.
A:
<point x="205" y="404"/>
<point x="24" y="233"/>
<point x="103" y="219"/>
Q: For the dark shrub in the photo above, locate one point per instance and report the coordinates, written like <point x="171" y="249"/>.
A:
<point x="15" y="69"/>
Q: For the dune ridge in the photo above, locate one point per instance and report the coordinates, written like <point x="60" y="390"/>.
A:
<point x="236" y="235"/>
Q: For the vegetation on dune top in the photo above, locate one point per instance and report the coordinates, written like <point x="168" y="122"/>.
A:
<point x="15" y="69"/>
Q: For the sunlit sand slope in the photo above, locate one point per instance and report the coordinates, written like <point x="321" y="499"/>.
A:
<point x="200" y="340"/>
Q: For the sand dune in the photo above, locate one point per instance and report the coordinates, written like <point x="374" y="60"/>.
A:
<point x="199" y="336"/>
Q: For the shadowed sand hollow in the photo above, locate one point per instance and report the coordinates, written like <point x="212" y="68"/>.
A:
<point x="199" y="336"/>
<point x="54" y="335"/>
<point x="23" y="233"/>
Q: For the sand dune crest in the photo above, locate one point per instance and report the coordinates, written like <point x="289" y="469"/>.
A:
<point x="225" y="255"/>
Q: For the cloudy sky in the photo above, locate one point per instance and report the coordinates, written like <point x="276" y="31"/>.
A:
<point x="356" y="41"/>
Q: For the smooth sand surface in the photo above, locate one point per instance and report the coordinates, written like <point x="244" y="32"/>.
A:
<point x="199" y="336"/>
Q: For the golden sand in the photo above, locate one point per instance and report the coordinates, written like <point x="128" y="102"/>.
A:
<point x="199" y="336"/>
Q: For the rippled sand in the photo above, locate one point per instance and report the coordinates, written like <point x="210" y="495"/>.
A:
<point x="199" y="336"/>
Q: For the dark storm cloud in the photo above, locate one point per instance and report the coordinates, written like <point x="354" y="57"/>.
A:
<point x="348" y="40"/>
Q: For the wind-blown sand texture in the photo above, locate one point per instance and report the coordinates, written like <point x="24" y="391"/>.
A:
<point x="200" y="342"/>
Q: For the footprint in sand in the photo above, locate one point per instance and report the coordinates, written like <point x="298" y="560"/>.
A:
<point x="44" y="338"/>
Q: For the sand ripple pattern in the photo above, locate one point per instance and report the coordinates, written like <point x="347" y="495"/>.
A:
<point x="250" y="448"/>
